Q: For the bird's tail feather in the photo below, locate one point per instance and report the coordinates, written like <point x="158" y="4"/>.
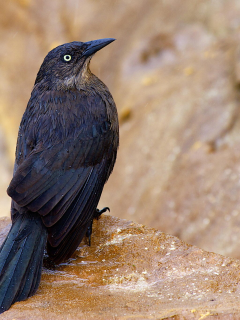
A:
<point x="21" y="257"/>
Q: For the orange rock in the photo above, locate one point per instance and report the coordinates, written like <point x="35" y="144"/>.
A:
<point x="134" y="272"/>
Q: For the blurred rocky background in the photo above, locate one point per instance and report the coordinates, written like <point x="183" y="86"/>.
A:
<point x="174" y="72"/>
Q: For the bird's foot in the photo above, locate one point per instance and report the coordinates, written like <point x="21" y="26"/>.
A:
<point x="99" y="212"/>
<point x="96" y="216"/>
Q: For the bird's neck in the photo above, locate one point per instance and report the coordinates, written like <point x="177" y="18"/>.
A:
<point x="84" y="76"/>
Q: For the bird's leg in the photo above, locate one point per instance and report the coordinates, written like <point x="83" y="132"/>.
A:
<point x="89" y="233"/>
<point x="96" y="216"/>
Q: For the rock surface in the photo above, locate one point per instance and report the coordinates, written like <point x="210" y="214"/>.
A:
<point x="174" y="72"/>
<point x="134" y="272"/>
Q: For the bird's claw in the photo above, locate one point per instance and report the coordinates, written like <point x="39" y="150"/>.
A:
<point x="99" y="212"/>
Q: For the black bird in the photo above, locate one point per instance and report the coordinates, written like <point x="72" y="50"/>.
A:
<point x="66" y="149"/>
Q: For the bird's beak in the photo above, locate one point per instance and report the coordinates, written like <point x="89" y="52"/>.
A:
<point x="95" y="45"/>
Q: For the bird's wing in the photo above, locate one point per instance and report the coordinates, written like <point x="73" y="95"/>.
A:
<point x="64" y="181"/>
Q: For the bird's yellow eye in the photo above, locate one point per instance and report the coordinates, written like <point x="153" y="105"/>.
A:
<point x="67" y="57"/>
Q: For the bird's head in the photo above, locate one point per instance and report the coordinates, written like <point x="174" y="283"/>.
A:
<point x="68" y="62"/>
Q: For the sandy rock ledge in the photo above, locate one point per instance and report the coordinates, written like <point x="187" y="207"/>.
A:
<point x="134" y="272"/>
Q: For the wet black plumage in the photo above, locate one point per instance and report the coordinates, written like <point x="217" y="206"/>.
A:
<point x="66" y="150"/>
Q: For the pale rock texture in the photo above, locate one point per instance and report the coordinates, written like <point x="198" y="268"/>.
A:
<point x="134" y="272"/>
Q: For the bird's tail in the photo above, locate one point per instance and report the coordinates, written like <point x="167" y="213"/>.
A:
<point x="21" y="257"/>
